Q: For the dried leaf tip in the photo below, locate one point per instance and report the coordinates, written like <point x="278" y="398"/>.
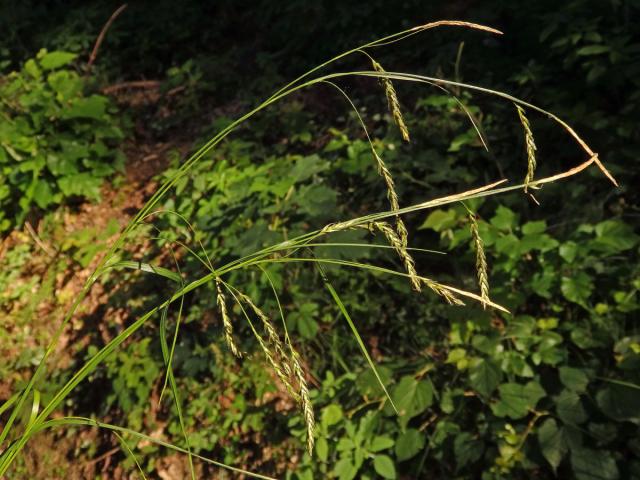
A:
<point x="392" y="100"/>
<point x="457" y="23"/>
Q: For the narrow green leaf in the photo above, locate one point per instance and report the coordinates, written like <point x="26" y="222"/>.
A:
<point x="356" y="334"/>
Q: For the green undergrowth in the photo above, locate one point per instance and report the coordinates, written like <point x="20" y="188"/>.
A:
<point x="58" y="139"/>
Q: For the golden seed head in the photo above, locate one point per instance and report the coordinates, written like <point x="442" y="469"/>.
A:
<point x="530" y="145"/>
<point x="481" y="260"/>
<point x="226" y="320"/>
<point x="392" y="100"/>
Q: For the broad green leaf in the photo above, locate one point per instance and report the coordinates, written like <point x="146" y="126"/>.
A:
<point x="384" y="466"/>
<point x="66" y="84"/>
<point x="622" y="403"/>
<point x="345" y="469"/>
<point x="568" y="251"/>
<point x="504" y="218"/>
<point x="322" y="449"/>
<point x="367" y="382"/>
<point x="92" y="107"/>
<point x="412" y="397"/>
<point x="439" y="220"/>
<point x="81" y="184"/>
<point x="31" y="67"/>
<point x="574" y="379"/>
<point x="516" y="400"/>
<point x="577" y="288"/>
<point x="537" y="241"/>
<point x="408" y="444"/>
<point x="466" y="449"/>
<point x="593" y="50"/>
<point x="591" y="464"/>
<point x="516" y="363"/>
<point x="42" y="194"/>
<point x="380" y="442"/>
<point x="484" y="377"/>
<point x="549" y="349"/>
<point x="53" y="60"/>
<point x="331" y="414"/>
<point x="613" y="236"/>
<point x="552" y="442"/>
<point x="317" y="200"/>
<point x="569" y="408"/>
<point x="306" y="167"/>
<point x="531" y="228"/>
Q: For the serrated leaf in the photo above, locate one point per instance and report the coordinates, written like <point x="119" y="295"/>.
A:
<point x="504" y="218"/>
<point x="466" y="449"/>
<point x="577" y="288"/>
<point x="408" y="444"/>
<point x="53" y="60"/>
<point x="367" y="382"/>
<point x="322" y="449"/>
<point x="42" y="194"/>
<point x="439" y="220"/>
<point x="574" y="379"/>
<point x="568" y="251"/>
<point x="516" y="400"/>
<point x="412" y="397"/>
<point x="552" y="443"/>
<point x="383" y="465"/>
<point x="331" y="414"/>
<point x="531" y="228"/>
<point x="593" y="465"/>
<point x="484" y="377"/>
<point x="91" y="107"/>
<point x="569" y="408"/>
<point x="620" y="403"/>
<point x="345" y="469"/>
<point x="614" y="236"/>
<point x="380" y="442"/>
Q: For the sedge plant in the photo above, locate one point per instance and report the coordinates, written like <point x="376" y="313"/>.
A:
<point x="25" y="415"/>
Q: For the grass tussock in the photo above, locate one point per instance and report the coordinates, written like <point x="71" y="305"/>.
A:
<point x="281" y="356"/>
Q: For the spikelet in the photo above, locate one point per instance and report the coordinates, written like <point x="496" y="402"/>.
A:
<point x="481" y="261"/>
<point x="341" y="226"/>
<point x="530" y="144"/>
<point x="305" y="399"/>
<point x="392" y="196"/>
<point x="445" y="293"/>
<point x="275" y="364"/>
<point x="401" y="249"/>
<point x="226" y="320"/>
<point x="278" y="360"/>
<point x="392" y="237"/>
<point x="392" y="100"/>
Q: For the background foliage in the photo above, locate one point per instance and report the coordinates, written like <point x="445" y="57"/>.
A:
<point x="550" y="391"/>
